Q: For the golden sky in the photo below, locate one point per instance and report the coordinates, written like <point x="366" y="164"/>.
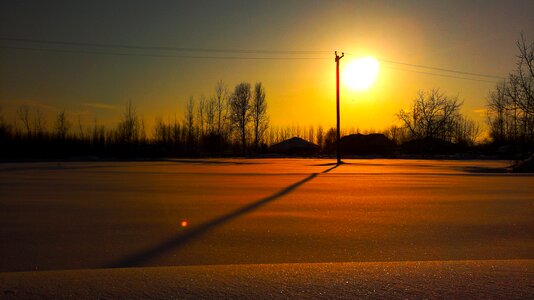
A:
<point x="477" y="37"/>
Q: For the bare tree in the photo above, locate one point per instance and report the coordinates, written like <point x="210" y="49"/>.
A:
<point x="80" y="127"/>
<point x="23" y="113"/>
<point x="311" y="134"/>
<point x="201" y="115"/>
<point x="330" y="139"/>
<point x="5" y="128"/>
<point x="221" y="97"/>
<point x="466" y="131"/>
<point x="320" y="137"/>
<point x="511" y="103"/>
<point x="525" y="75"/>
<point x="129" y="127"/>
<point x="432" y="115"/>
<point x="397" y="134"/>
<point x="210" y="115"/>
<point x="190" y="120"/>
<point x="39" y="122"/>
<point x="260" y="119"/>
<point x="62" y="125"/>
<point x="176" y="132"/>
<point x="160" y="131"/>
<point x="240" y="110"/>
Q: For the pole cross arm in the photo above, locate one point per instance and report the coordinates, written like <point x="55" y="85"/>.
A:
<point x="339" y="57"/>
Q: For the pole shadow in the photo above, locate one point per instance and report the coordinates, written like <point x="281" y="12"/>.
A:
<point x="180" y="240"/>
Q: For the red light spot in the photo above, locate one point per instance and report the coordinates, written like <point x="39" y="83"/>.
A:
<point x="184" y="223"/>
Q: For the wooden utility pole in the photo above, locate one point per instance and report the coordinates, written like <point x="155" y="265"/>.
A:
<point x="337" y="106"/>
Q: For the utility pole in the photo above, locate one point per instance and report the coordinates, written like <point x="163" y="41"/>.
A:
<point x="337" y="106"/>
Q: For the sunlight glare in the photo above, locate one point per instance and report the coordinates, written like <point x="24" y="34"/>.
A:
<point x="359" y="74"/>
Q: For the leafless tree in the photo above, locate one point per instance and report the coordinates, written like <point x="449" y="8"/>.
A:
<point x="190" y="120"/>
<point x="23" y="113"/>
<point x="511" y="103"/>
<point x="240" y="110"/>
<point x="466" y="131"/>
<point x="201" y="116"/>
<point x="62" y="125"/>
<point x="128" y="129"/>
<point x="221" y="97"/>
<point x="311" y="134"/>
<point x="397" y="134"/>
<point x="320" y="137"/>
<point x="5" y="128"/>
<point x="260" y="119"/>
<point x="176" y="132"/>
<point x="330" y="139"/>
<point x="39" y="123"/>
<point x="210" y="114"/>
<point x="432" y="115"/>
<point x="160" y="131"/>
<point x="80" y="127"/>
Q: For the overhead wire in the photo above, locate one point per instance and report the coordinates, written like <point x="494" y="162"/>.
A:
<point x="437" y="74"/>
<point x="160" y="55"/>
<point x="273" y="55"/>
<point x="163" y="48"/>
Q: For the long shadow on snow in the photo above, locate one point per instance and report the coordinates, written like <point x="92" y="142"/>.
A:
<point x="209" y="162"/>
<point x="180" y="240"/>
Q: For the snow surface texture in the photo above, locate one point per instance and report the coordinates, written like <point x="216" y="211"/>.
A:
<point x="57" y="216"/>
<point x="509" y="279"/>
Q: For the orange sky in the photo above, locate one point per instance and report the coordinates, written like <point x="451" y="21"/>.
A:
<point x="473" y="37"/>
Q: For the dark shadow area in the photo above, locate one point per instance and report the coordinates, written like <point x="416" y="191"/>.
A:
<point x="472" y="169"/>
<point x="196" y="232"/>
<point x="330" y="164"/>
<point x="210" y="162"/>
<point x="330" y="169"/>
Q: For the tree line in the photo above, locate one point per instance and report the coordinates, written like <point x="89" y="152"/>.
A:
<point x="511" y="102"/>
<point x="221" y="122"/>
<point x="228" y="122"/>
<point x="236" y="122"/>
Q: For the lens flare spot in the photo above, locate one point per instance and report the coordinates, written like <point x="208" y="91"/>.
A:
<point x="184" y="223"/>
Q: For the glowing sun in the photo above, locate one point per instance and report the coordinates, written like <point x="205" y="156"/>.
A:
<point x="359" y="74"/>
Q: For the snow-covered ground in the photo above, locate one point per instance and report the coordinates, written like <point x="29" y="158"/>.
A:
<point x="90" y="215"/>
<point x="475" y="279"/>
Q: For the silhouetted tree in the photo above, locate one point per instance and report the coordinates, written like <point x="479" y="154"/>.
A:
<point x="260" y="119"/>
<point x="311" y="134"/>
<point x="511" y="103"/>
<point x="201" y="116"/>
<point x="39" y="123"/>
<point x="240" y="110"/>
<point x="5" y="128"/>
<point x="129" y="126"/>
<point x="221" y="95"/>
<point x="190" y="121"/>
<point x="320" y="137"/>
<point x="62" y="125"/>
<point x="330" y="139"/>
<point x="433" y="115"/>
<point x="210" y="115"/>
<point x="397" y="134"/>
<point x="23" y="113"/>
<point x="465" y="131"/>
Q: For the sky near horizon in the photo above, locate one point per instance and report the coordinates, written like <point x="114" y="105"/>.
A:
<point x="469" y="36"/>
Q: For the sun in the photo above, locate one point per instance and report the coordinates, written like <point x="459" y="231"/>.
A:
<point x="359" y="74"/>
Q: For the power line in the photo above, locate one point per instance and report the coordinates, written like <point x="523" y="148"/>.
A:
<point x="163" y="48"/>
<point x="437" y="68"/>
<point x="220" y="50"/>
<point x="160" y="55"/>
<point x="441" y="75"/>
